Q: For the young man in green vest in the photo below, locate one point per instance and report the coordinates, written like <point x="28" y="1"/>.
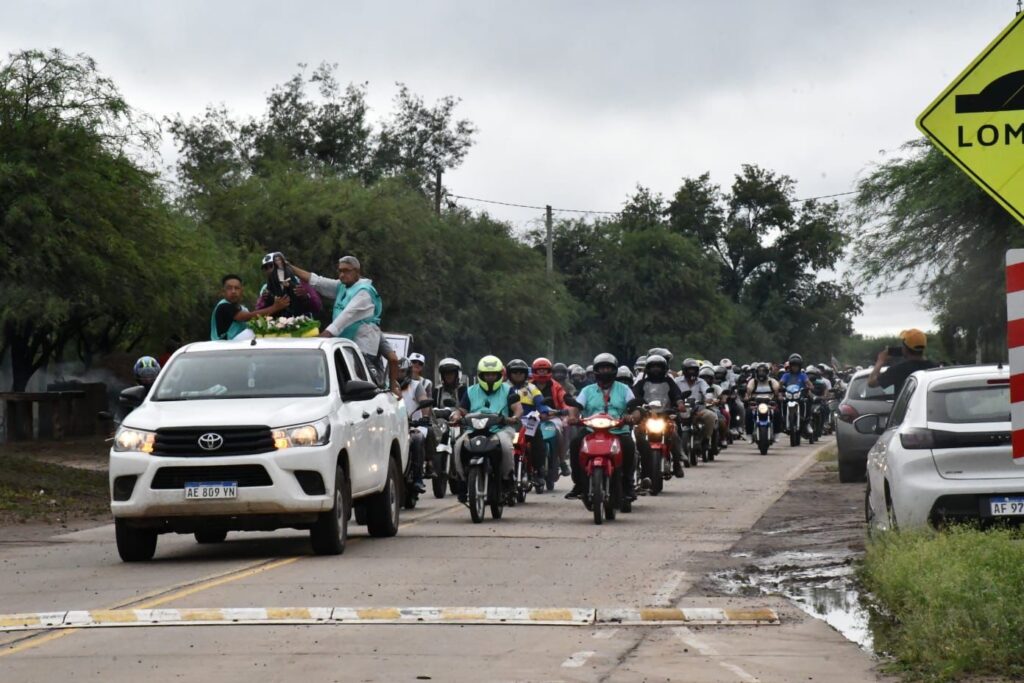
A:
<point x="357" y="306"/>
<point x="230" y="318"/>
<point x="490" y="394"/>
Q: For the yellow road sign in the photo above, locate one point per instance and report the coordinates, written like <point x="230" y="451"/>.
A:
<point x="978" y="121"/>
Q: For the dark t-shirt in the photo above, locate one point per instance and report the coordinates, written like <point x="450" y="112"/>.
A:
<point x="674" y="394"/>
<point x="897" y="374"/>
<point x="224" y="314"/>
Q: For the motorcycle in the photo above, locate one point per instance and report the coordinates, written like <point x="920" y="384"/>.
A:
<point x="440" y="446"/>
<point x="601" y="462"/>
<point x="481" y="461"/>
<point x="796" y="412"/>
<point x="764" y="433"/>
<point x="411" y="496"/>
<point x="659" y="427"/>
<point x="714" y="442"/>
<point x="691" y="433"/>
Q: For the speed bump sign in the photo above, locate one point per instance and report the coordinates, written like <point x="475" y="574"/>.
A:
<point x="978" y="121"/>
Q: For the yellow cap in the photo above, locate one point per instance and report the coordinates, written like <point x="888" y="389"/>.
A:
<point x="914" y="339"/>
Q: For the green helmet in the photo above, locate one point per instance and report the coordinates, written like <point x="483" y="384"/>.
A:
<point x="489" y="365"/>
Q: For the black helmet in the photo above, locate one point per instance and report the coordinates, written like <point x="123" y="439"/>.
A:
<point x="657" y="367"/>
<point x="559" y="371"/>
<point x="517" y="365"/>
<point x="797" y="359"/>
<point x="691" y="368"/>
<point x="605" y="367"/>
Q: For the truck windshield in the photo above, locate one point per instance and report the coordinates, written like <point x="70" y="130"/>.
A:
<point x="255" y="374"/>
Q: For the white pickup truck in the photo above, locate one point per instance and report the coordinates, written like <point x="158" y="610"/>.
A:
<point x="259" y="435"/>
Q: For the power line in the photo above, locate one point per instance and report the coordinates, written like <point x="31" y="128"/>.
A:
<point x="608" y="213"/>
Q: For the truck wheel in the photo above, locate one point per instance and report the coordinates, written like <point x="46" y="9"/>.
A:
<point x="210" y="536"/>
<point x="134" y="545"/>
<point x="330" y="532"/>
<point x="382" y="508"/>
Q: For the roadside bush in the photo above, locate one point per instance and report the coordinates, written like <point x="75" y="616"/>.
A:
<point x="953" y="601"/>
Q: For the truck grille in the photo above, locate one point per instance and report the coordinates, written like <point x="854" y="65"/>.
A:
<point x="245" y="475"/>
<point x="183" y="442"/>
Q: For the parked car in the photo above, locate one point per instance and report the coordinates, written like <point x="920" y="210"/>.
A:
<point x="944" y="453"/>
<point x="262" y="435"/>
<point x="853" y="446"/>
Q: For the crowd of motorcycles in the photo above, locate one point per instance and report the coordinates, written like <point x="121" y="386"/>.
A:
<point x="798" y="412"/>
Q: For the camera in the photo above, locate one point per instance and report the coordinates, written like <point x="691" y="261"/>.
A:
<point x="895" y="351"/>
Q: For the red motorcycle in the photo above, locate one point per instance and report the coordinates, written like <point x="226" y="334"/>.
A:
<point x="601" y="461"/>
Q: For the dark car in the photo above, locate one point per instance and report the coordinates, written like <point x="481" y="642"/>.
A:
<point x="853" y="447"/>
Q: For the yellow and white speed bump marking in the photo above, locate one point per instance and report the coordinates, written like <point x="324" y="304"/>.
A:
<point x="525" y="616"/>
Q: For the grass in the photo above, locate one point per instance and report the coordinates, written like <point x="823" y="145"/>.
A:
<point x="953" y="602"/>
<point x="34" y="491"/>
<point x="830" y="454"/>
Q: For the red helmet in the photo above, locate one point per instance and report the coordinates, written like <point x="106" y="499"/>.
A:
<point x="541" y="363"/>
<point x="541" y="370"/>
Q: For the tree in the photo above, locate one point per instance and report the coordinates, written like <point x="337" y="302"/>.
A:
<point x="923" y="224"/>
<point x="92" y="256"/>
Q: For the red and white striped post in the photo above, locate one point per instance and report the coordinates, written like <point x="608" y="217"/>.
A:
<point x="1015" y="344"/>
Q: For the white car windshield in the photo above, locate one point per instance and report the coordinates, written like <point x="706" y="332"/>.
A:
<point x="266" y="373"/>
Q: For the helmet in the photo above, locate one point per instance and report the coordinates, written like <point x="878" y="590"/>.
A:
<point x="707" y="374"/>
<point x="624" y="374"/>
<point x="659" y="351"/>
<point x="576" y="372"/>
<point x="641" y="363"/>
<point x="489" y="365"/>
<point x="146" y="369"/>
<point x="541" y="364"/>
<point x="449" y="364"/>
<point x="559" y="370"/>
<point x="517" y="365"/>
<point x="827" y="370"/>
<point x="417" y="358"/>
<point x="707" y="364"/>
<point x="719" y="373"/>
<point x="745" y="368"/>
<point x="796" y="358"/>
<point x="657" y="367"/>
<point x="404" y="371"/>
<point x="726" y="363"/>
<point x="811" y="370"/>
<point x="590" y="368"/>
<point x="761" y="371"/>
<point x="605" y="367"/>
<point x="690" y="368"/>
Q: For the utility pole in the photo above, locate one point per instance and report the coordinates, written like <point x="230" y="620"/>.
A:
<point x="437" y="191"/>
<point x="550" y="272"/>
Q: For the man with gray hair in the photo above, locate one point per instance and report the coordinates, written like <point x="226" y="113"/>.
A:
<point x="357" y="306"/>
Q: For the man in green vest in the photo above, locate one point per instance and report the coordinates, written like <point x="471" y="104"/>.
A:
<point x="357" y="306"/>
<point x="230" y="318"/>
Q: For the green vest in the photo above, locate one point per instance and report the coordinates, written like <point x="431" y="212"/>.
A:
<point x="495" y="403"/>
<point x="345" y="295"/>
<point x="592" y="398"/>
<point x="236" y="328"/>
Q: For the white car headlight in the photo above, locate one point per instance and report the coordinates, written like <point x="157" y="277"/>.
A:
<point x="313" y="434"/>
<point x="128" y="439"/>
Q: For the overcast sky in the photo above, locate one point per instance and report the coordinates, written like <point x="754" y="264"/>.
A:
<point x="576" y="102"/>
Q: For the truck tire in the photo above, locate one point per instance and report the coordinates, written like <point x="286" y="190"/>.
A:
<point x="134" y="545"/>
<point x="382" y="509"/>
<point x="330" y="532"/>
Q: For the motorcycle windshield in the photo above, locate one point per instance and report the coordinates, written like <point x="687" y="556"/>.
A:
<point x="793" y="389"/>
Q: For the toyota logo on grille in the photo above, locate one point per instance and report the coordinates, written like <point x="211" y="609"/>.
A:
<point x="211" y="441"/>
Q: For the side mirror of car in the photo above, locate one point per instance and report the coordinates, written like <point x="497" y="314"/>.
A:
<point x="869" y="424"/>
<point x="358" y="390"/>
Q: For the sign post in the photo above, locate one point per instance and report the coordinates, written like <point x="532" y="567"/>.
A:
<point x="1015" y="343"/>
<point x="978" y="120"/>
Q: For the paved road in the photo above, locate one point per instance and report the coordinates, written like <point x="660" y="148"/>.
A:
<point x="545" y="554"/>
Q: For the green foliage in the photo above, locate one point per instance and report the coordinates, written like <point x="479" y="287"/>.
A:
<point x="953" y="601"/>
<point x="923" y="223"/>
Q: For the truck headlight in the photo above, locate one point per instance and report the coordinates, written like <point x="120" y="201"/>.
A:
<point x="128" y="439"/>
<point x="313" y="434"/>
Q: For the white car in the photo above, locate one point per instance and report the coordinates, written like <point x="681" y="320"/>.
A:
<point x="944" y="452"/>
<point x="259" y="435"/>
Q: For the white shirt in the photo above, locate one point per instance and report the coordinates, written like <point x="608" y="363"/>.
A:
<point x="698" y="390"/>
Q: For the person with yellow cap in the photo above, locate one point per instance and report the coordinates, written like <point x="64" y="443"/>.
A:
<point x="912" y="353"/>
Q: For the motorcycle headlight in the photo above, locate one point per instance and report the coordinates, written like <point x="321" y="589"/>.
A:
<point x="762" y="409"/>
<point x="599" y="423"/>
<point x="312" y="434"/>
<point x="656" y="425"/>
<point x="128" y="439"/>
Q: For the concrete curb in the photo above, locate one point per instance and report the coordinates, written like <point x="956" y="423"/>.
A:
<point x="522" y="616"/>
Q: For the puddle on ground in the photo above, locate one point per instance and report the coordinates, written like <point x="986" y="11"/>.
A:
<point x="821" y="584"/>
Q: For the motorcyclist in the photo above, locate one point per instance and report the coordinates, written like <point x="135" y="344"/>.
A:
<point x="554" y="396"/>
<point x="451" y="389"/>
<point x="532" y="401"/>
<point x="560" y="373"/>
<point x="656" y="385"/>
<point x="145" y="372"/>
<point x="624" y="375"/>
<point x="762" y="384"/>
<point x="698" y="389"/>
<point x="489" y="394"/>
<point x="578" y="376"/>
<point x="707" y="373"/>
<point x="412" y="393"/>
<point x="796" y="375"/>
<point x="638" y="368"/>
<point x="606" y="395"/>
<point x="418" y="361"/>
<point x="590" y="375"/>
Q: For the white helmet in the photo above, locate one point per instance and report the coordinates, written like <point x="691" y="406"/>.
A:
<point x="726" y="363"/>
<point x="624" y="374"/>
